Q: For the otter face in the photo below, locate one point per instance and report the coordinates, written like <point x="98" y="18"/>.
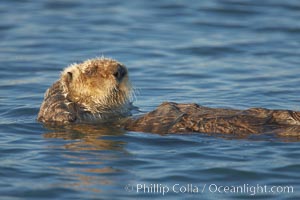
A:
<point x="99" y="85"/>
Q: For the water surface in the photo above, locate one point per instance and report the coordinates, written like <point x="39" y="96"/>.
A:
<point x="219" y="53"/>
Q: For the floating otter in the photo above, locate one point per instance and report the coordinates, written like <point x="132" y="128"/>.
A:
<point x="99" y="91"/>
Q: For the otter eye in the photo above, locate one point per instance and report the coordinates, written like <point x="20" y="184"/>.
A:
<point x="117" y="75"/>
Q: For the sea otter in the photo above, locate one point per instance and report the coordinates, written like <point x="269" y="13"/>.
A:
<point x="99" y="91"/>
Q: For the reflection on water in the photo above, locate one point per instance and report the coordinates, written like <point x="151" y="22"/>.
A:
<point x="88" y="137"/>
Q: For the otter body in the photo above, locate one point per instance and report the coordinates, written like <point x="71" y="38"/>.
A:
<point x="99" y="90"/>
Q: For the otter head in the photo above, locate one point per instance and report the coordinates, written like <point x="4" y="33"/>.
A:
<point x="99" y="85"/>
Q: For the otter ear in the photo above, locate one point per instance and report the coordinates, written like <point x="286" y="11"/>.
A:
<point x="69" y="76"/>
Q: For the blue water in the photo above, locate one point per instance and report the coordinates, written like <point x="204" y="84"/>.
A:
<point x="218" y="53"/>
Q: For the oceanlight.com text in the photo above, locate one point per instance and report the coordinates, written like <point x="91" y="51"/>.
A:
<point x="248" y="189"/>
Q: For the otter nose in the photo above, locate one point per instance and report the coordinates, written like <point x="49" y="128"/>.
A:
<point x="120" y="72"/>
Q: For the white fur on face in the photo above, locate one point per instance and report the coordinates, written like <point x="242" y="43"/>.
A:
<point x="91" y="85"/>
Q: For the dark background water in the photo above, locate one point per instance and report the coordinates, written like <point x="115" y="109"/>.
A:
<point x="218" y="53"/>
